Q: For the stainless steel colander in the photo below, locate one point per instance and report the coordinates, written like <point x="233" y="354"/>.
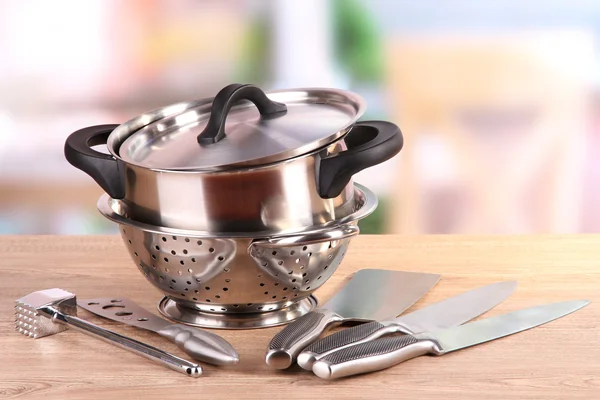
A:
<point x="237" y="280"/>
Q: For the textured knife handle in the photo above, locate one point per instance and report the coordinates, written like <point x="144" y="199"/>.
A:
<point x="287" y="344"/>
<point x="372" y="356"/>
<point x="342" y="339"/>
<point x="201" y="345"/>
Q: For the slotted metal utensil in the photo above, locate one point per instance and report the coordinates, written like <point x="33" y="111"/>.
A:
<point x="371" y="294"/>
<point x="199" y="344"/>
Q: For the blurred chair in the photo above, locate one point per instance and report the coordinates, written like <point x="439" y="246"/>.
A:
<point x="494" y="132"/>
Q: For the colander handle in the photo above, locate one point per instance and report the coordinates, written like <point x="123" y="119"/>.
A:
<point x="225" y="99"/>
<point x="104" y="168"/>
<point x="369" y="143"/>
<point x="324" y="235"/>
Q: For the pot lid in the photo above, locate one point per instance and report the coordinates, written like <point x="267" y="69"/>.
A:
<point x="226" y="133"/>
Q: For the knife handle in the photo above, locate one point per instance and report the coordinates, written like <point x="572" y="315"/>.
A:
<point x="288" y="343"/>
<point x="201" y="345"/>
<point x="373" y="356"/>
<point x="342" y="339"/>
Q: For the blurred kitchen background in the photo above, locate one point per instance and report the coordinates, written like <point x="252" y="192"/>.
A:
<point x="499" y="101"/>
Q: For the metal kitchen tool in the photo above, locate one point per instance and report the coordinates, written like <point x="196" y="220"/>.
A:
<point x="237" y="282"/>
<point x="200" y="345"/>
<point x="282" y="160"/>
<point x="51" y="311"/>
<point x="371" y="294"/>
<point x="444" y="314"/>
<point x="387" y="352"/>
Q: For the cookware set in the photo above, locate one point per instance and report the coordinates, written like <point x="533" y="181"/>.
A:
<point x="237" y="208"/>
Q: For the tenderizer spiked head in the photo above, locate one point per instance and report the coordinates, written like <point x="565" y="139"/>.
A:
<point x="32" y="318"/>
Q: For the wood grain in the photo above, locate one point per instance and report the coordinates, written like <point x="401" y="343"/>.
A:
<point x="560" y="360"/>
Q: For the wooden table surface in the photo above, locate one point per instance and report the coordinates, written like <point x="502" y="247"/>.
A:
<point x="560" y="360"/>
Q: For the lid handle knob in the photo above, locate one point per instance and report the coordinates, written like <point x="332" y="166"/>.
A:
<point x="225" y="99"/>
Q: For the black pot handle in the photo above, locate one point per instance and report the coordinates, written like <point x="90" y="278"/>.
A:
<point x="225" y="99"/>
<point x="369" y="143"/>
<point x="104" y="168"/>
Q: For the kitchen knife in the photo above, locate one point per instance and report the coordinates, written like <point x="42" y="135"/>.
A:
<point x="199" y="344"/>
<point x="444" y="314"/>
<point x="371" y="294"/>
<point x="386" y="352"/>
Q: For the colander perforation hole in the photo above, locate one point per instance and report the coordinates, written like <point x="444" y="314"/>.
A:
<point x="259" y="308"/>
<point x="211" y="250"/>
<point x="161" y="278"/>
<point x="285" y="288"/>
<point x="309" y="254"/>
<point x="129" y="241"/>
<point x="223" y="309"/>
<point x="187" y="240"/>
<point x="249" y="304"/>
<point x="292" y="253"/>
<point x="164" y="239"/>
<point x="290" y="272"/>
<point x="195" y="298"/>
<point x="188" y="282"/>
<point x="308" y="288"/>
<point x="208" y="300"/>
<point x="196" y="291"/>
<point x="186" y="289"/>
<point x="124" y="231"/>
<point x="307" y="281"/>
<point x="265" y="264"/>
<point x="220" y="258"/>
<point x="319" y="277"/>
<point x="166" y="259"/>
<point x="304" y="274"/>
<point x="190" y="270"/>
<point x="276" y="283"/>
<point x="280" y="263"/>
<point x="293" y="280"/>
<point x="171" y="287"/>
<point x="297" y="260"/>
<point x="198" y="280"/>
<point x="173" y="280"/>
<point x="199" y="242"/>
<point x="136" y="254"/>
<point x="157" y="247"/>
<point x="193" y="259"/>
<point x="207" y="287"/>
<point x="266" y="292"/>
<point x="274" y="297"/>
<point x="225" y="289"/>
<point x="182" y="262"/>
<point x="180" y="273"/>
<point x="325" y="268"/>
<point x="174" y="237"/>
<point x="302" y="267"/>
<point x="260" y="275"/>
<point x="284" y="297"/>
<point x="166" y="269"/>
<point x="217" y="296"/>
<point x="212" y="309"/>
<point x="261" y="284"/>
<point x="274" y="253"/>
<point x="304" y="248"/>
<point x="227" y="280"/>
<point x="154" y="256"/>
<point x="173" y="252"/>
<point x="185" y="251"/>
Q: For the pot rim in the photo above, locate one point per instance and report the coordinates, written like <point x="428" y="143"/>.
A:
<point x="114" y="210"/>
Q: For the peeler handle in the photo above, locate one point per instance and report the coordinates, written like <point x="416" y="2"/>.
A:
<point x="139" y="348"/>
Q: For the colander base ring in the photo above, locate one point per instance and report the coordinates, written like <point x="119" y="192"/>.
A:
<point x="179" y="313"/>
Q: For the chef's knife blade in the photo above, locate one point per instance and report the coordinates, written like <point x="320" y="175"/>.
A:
<point x="444" y="314"/>
<point x="386" y="352"/>
<point x="371" y="294"/>
<point x="201" y="345"/>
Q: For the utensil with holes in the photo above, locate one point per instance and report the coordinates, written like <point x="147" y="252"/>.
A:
<point x="200" y="345"/>
<point x="386" y="352"/>
<point x="237" y="281"/>
<point x="371" y="294"/>
<point x="443" y="314"/>
<point x="46" y="312"/>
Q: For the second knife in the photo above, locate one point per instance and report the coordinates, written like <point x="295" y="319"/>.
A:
<point x="443" y="314"/>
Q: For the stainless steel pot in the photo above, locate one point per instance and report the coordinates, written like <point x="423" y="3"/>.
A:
<point x="289" y="167"/>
